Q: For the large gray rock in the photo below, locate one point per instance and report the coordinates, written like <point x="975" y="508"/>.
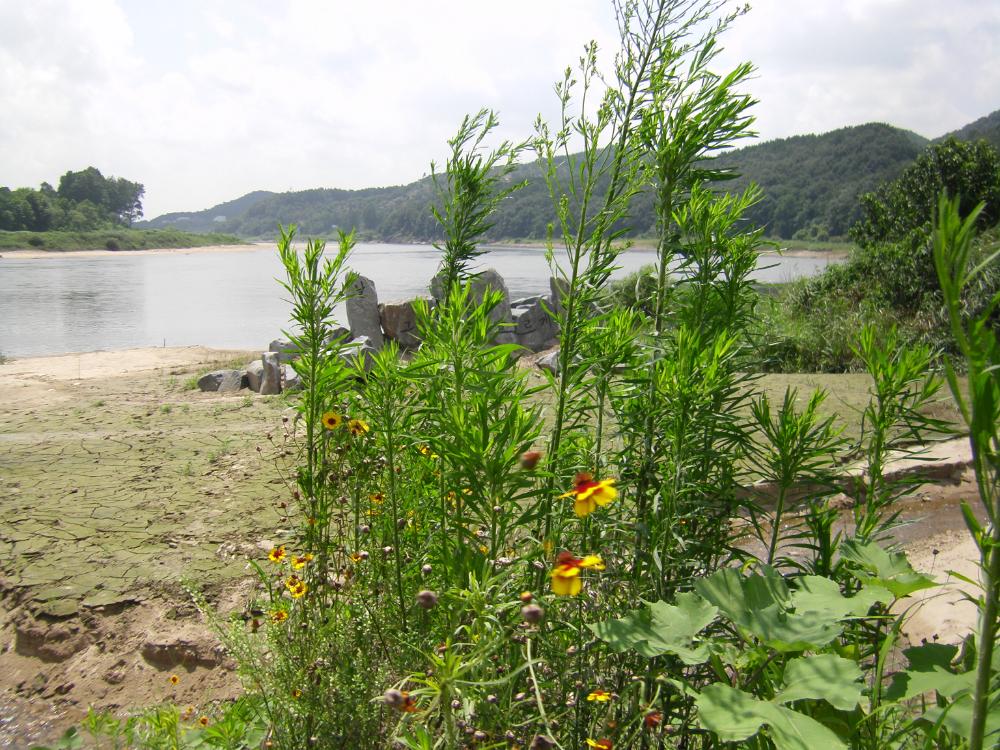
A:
<point x="549" y="362"/>
<point x="359" y="352"/>
<point x="399" y="321"/>
<point x="286" y="350"/>
<point x="223" y="381"/>
<point x="490" y="279"/>
<point x="270" y="382"/>
<point x="255" y="374"/>
<point x="558" y="288"/>
<point x="289" y="378"/>
<point x="534" y="328"/>
<point x="363" y="311"/>
<point x="339" y="333"/>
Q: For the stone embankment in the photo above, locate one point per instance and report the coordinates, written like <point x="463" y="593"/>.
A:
<point x="526" y="322"/>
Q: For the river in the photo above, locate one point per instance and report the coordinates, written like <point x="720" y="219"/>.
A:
<point x="76" y="303"/>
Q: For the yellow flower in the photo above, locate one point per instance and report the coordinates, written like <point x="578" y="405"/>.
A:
<point x="600" y="696"/>
<point x="203" y="721"/>
<point x="296" y="693"/>
<point x="300" y="561"/>
<point x="332" y="420"/>
<point x="357" y="427"/>
<point x="277" y="554"/>
<point x="174" y="679"/>
<point x="296" y="587"/>
<point x="279" y="615"/>
<point x="588" y="495"/>
<point x="377" y="498"/>
<point x="566" y="574"/>
<point x="426" y="450"/>
<point x="601" y="744"/>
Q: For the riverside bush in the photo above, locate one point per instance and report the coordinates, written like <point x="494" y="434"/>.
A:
<point x="473" y="562"/>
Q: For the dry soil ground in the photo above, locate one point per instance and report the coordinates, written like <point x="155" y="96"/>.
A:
<point x="119" y="487"/>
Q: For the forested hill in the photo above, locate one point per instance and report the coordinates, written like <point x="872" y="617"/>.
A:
<point x="985" y="128"/>
<point x="810" y="183"/>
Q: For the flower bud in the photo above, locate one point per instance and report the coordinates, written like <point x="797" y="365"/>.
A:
<point x="526" y="597"/>
<point x="532" y="613"/>
<point x="426" y="569"/>
<point x="529" y="459"/>
<point x="427" y="599"/>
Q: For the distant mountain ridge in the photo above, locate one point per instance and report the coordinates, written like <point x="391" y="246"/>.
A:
<point x="810" y="185"/>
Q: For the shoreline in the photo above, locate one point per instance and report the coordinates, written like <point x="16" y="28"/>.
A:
<point x="34" y="254"/>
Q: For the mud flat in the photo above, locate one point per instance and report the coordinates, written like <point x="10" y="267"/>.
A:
<point x="119" y="486"/>
<point x="121" y="489"/>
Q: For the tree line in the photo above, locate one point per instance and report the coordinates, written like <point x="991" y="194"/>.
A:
<point x="84" y="200"/>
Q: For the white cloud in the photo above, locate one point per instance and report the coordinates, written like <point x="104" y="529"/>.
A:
<point x="203" y="102"/>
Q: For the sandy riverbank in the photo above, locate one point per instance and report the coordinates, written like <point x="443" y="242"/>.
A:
<point x="32" y="254"/>
<point x="118" y="483"/>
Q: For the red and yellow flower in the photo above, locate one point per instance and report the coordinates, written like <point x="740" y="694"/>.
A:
<point x="296" y="587"/>
<point x="277" y="554"/>
<point x="279" y="615"/>
<point x="602" y="744"/>
<point x="600" y="696"/>
<point x="300" y="561"/>
<point x="588" y="495"/>
<point x="358" y="427"/>
<point x="332" y="420"/>
<point x="566" y="574"/>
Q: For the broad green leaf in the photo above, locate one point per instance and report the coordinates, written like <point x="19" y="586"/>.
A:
<point x="660" y="628"/>
<point x="734" y="715"/>
<point x="758" y="604"/>
<point x="890" y="570"/>
<point x="958" y="718"/>
<point x="822" y="596"/>
<point x="930" y="670"/>
<point x="822" y="677"/>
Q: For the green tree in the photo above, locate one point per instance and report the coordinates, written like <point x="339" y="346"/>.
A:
<point x="901" y="210"/>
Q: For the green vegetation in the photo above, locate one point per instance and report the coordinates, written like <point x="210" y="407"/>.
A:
<point x="111" y="239"/>
<point x="462" y="570"/>
<point x="464" y="567"/>
<point x="889" y="279"/>
<point x="85" y="200"/>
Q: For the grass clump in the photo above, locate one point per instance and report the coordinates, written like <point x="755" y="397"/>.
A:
<point x="112" y="239"/>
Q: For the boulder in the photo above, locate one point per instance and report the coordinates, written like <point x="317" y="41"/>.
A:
<point x="549" y="362"/>
<point x="534" y="328"/>
<point x="399" y="321"/>
<point x="270" y="382"/>
<point x="289" y="378"/>
<point x="223" y="381"/>
<point x="286" y="350"/>
<point x="488" y="279"/>
<point x="360" y="351"/>
<point x="363" y="311"/>
<point x="339" y="333"/>
<point x="558" y="287"/>
<point x="255" y="373"/>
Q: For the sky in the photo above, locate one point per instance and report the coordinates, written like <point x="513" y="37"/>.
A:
<point x="205" y="100"/>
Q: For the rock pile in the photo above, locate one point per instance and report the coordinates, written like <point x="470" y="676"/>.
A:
<point x="526" y="322"/>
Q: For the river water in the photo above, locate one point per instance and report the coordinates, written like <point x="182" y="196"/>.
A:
<point x="66" y="303"/>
